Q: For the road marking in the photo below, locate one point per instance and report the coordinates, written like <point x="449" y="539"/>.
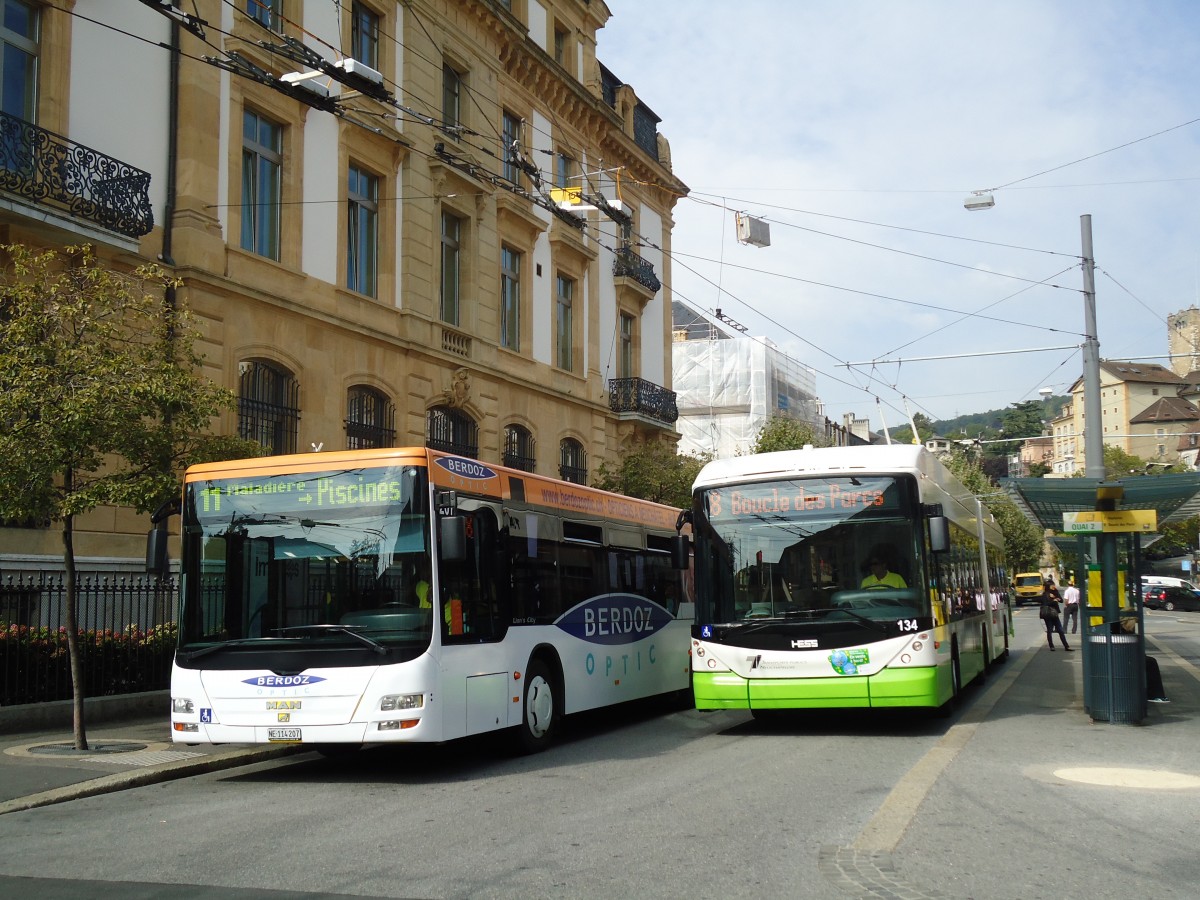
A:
<point x="885" y="829"/>
<point x="1152" y="779"/>
<point x="1175" y="658"/>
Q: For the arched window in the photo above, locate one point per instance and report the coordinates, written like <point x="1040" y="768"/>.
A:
<point x="453" y="431"/>
<point x="268" y="406"/>
<point x="370" y="419"/>
<point x="572" y="461"/>
<point x="518" y="448"/>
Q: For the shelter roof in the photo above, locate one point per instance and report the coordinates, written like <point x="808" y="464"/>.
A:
<point x="1044" y="500"/>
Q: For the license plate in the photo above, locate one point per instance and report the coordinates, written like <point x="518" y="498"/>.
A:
<point x="283" y="734"/>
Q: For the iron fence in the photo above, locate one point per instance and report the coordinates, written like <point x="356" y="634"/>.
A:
<point x="126" y="634"/>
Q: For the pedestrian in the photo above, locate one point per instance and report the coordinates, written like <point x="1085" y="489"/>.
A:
<point x="1050" y="612"/>
<point x="1155" y="692"/>
<point x="1071" y="607"/>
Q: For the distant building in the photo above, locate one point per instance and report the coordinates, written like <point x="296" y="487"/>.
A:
<point x="1035" y="451"/>
<point x="728" y="385"/>
<point x="1134" y="416"/>
<point x="1183" y="340"/>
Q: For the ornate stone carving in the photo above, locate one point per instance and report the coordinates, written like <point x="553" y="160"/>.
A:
<point x="459" y="393"/>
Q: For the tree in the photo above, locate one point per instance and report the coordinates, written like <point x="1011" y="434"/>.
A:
<point x="1021" y="420"/>
<point x="652" y="470"/>
<point x="101" y="402"/>
<point x="785" y="433"/>
<point x="903" y="434"/>
<point x="1022" y="538"/>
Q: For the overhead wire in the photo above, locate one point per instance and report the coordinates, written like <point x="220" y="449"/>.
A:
<point x="643" y="241"/>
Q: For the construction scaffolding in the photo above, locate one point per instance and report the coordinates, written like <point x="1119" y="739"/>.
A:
<point x="728" y="387"/>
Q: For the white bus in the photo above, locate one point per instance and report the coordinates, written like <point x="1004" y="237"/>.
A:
<point x="842" y="577"/>
<point x="393" y="595"/>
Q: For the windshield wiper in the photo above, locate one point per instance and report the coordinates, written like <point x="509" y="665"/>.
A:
<point x="223" y="645"/>
<point x="338" y="629"/>
<point x="873" y="623"/>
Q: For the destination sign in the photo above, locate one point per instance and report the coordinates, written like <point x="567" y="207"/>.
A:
<point x="839" y="497"/>
<point x="303" y="492"/>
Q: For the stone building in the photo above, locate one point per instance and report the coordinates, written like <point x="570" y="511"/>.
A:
<point x="438" y="222"/>
<point x="1183" y="340"/>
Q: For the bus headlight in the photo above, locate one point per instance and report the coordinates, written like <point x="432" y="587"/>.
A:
<point x="182" y="705"/>
<point x="401" y="701"/>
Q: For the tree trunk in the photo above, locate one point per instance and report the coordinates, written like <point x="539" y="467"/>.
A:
<point x="73" y="653"/>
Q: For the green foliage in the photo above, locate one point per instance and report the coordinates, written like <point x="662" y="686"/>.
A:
<point x="903" y="434"/>
<point x="971" y="425"/>
<point x="1022" y="538"/>
<point x="101" y="400"/>
<point x="1021" y="420"/>
<point x="785" y="433"/>
<point x="113" y="662"/>
<point x="652" y="470"/>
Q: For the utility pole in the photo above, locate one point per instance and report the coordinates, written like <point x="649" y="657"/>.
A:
<point x="1093" y="429"/>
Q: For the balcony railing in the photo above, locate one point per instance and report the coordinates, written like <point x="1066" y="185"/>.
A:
<point x="640" y="396"/>
<point x="47" y="168"/>
<point x="628" y="264"/>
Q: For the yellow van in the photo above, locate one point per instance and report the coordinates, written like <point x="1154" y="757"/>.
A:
<point x="1029" y="587"/>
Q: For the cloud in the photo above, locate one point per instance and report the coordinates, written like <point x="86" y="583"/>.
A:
<point x="890" y="113"/>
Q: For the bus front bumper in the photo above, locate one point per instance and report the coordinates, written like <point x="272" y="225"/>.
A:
<point x="920" y="687"/>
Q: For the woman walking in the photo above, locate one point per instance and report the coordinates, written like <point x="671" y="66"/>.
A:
<point x="1051" y="607"/>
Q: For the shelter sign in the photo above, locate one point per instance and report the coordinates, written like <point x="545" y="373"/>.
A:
<point x="1095" y="521"/>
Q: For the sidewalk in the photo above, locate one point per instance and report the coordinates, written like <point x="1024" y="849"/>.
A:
<point x="130" y="744"/>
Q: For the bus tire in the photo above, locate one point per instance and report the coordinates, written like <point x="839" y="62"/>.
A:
<point x="540" y="709"/>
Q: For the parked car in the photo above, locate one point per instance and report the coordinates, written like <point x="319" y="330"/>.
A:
<point x="1171" y="598"/>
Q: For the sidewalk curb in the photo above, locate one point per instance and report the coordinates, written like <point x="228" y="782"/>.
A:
<point x="228" y="759"/>
<point x="55" y="714"/>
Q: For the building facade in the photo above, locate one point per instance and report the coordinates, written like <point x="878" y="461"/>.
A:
<point x="437" y="222"/>
<point x="729" y="385"/>
<point x="1141" y="414"/>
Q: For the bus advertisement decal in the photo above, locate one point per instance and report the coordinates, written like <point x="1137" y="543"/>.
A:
<point x="614" y="619"/>
<point x="848" y="662"/>
<point x="459" y="472"/>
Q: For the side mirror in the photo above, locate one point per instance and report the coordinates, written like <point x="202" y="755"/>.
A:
<point x="681" y="552"/>
<point x="156" y="552"/>
<point x="452" y="538"/>
<point x="939" y="534"/>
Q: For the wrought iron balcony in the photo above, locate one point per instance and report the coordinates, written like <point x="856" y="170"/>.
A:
<point x="47" y="168"/>
<point x="644" y="397"/>
<point x="628" y="264"/>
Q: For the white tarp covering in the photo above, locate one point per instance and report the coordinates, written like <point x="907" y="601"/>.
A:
<point x="726" y="390"/>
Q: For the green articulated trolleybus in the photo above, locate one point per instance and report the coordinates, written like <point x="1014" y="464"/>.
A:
<point x="842" y="577"/>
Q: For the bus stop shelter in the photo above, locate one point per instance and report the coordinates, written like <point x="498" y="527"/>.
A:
<point x="1109" y="523"/>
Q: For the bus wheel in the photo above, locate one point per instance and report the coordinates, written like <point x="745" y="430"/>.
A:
<point x="539" y="711"/>
<point x="955" y="676"/>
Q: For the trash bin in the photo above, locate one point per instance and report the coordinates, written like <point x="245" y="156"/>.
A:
<point x="1115" y="694"/>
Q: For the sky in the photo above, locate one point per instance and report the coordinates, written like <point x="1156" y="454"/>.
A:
<point x="858" y="128"/>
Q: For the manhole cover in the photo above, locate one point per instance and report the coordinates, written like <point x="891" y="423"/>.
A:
<point x="98" y="747"/>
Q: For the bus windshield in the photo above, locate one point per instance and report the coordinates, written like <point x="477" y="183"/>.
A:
<point x="828" y="548"/>
<point x="309" y="560"/>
